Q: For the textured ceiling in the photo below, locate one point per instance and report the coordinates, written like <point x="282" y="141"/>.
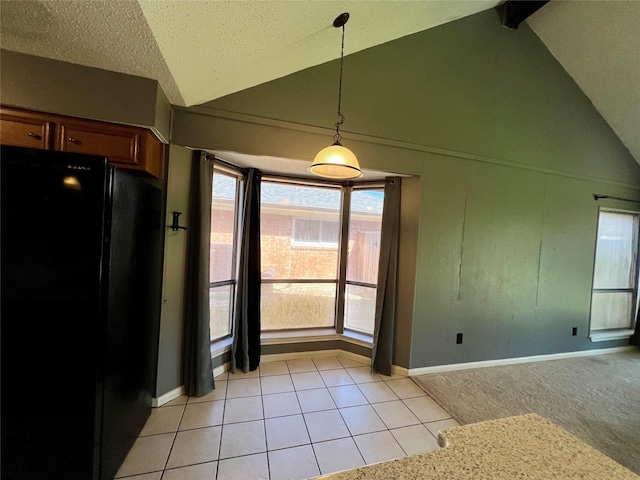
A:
<point x="112" y="35"/>
<point x="202" y="50"/>
<point x="598" y="44"/>
<point x="217" y="48"/>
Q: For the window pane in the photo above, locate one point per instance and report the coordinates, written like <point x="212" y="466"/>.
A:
<point x="298" y="254"/>
<point x="223" y="238"/>
<point x="220" y="311"/>
<point x="330" y="232"/>
<point x="306" y="231"/>
<point x="365" y="222"/>
<point x="611" y="310"/>
<point x="614" y="251"/>
<point x="360" y="308"/>
<point x="223" y="213"/>
<point x="302" y="305"/>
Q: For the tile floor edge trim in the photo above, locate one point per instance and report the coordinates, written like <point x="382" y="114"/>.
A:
<point x="396" y="370"/>
<point x="276" y="357"/>
<point x="412" y="372"/>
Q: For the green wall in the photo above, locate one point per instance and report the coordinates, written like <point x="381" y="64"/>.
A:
<point x="498" y="225"/>
<point x="470" y="86"/>
<point x="509" y="153"/>
<point x="171" y="340"/>
<point x="507" y="260"/>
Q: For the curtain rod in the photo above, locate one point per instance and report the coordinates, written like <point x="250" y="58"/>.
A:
<point x="598" y="197"/>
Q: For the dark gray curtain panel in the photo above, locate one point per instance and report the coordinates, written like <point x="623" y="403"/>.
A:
<point x="245" y="352"/>
<point x="198" y="369"/>
<point x="385" y="316"/>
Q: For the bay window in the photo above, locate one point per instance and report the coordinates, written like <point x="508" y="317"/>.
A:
<point x="319" y="250"/>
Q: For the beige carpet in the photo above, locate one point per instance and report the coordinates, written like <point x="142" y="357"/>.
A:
<point x="595" y="398"/>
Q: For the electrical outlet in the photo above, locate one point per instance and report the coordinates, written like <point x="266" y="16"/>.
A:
<point x="574" y="331"/>
<point x="459" y="338"/>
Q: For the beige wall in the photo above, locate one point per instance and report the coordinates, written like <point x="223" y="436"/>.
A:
<point x="63" y="88"/>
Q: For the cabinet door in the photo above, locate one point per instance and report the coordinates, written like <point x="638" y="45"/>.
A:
<point x="131" y="148"/>
<point x="120" y="144"/>
<point x="25" y="130"/>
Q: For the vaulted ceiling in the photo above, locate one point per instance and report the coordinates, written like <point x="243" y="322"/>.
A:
<point x="202" y="50"/>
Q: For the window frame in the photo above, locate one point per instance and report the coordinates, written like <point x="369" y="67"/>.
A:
<point x="603" y="334"/>
<point x="303" y="182"/>
<point x="341" y="282"/>
<point x="223" y="169"/>
<point x="355" y="187"/>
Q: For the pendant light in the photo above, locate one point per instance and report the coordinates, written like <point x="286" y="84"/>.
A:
<point x="336" y="161"/>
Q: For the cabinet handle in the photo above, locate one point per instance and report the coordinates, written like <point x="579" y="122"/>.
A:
<point x="73" y="140"/>
<point x="34" y="135"/>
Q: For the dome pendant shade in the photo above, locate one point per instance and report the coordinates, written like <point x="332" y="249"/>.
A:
<point x="336" y="161"/>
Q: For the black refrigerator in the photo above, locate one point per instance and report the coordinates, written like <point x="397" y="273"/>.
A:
<point x="81" y="260"/>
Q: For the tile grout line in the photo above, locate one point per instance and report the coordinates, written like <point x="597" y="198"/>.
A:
<point x="302" y="413"/>
<point x="304" y="419"/>
<point x="425" y="423"/>
<point x="175" y="437"/>
<point x="264" y="424"/>
<point x="370" y="405"/>
<point x="224" y="410"/>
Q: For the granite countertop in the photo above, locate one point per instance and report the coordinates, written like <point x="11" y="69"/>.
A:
<point x="523" y="447"/>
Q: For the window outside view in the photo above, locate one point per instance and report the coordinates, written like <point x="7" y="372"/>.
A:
<point x="299" y="253"/>
<point x="365" y="223"/>
<point x="300" y="249"/>
<point x="222" y="268"/>
<point x="616" y="271"/>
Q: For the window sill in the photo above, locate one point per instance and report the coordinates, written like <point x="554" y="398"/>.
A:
<point x="221" y="346"/>
<point x="297" y="336"/>
<point x="313" y="335"/>
<point x="315" y="246"/>
<point x="604" y="335"/>
<point x="358" y="337"/>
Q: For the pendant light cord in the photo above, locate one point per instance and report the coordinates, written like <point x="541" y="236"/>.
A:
<point x="338" y="137"/>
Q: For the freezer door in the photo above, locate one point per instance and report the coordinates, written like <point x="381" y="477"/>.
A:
<point x="51" y="322"/>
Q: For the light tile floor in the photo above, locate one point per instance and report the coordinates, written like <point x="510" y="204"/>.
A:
<point x="292" y="419"/>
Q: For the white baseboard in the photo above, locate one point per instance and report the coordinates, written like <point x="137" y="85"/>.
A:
<point x="167" y="397"/>
<point x="176" y="392"/>
<point x="412" y="372"/>
<point x="407" y="372"/>
<point x="221" y="369"/>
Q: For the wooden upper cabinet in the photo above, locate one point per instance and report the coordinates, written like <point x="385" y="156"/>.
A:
<point x="24" y="129"/>
<point x="130" y="148"/>
<point x="120" y="144"/>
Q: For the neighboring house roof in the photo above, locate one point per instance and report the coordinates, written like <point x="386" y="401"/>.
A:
<point x="306" y="197"/>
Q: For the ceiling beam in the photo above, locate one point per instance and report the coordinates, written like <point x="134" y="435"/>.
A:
<point x="514" y="12"/>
